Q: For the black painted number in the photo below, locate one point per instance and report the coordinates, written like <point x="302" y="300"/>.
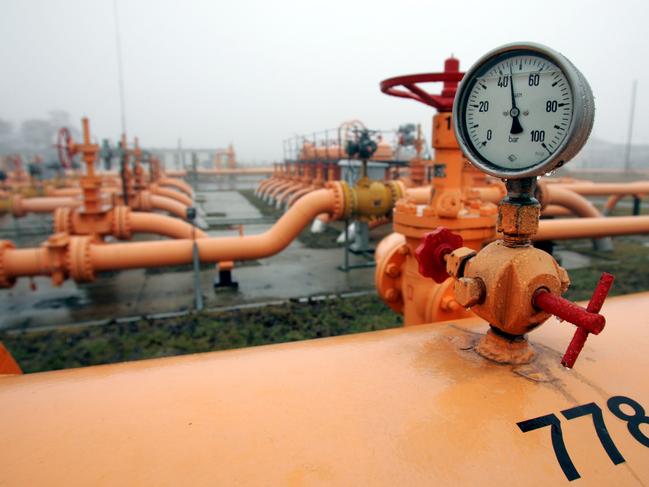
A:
<point x="489" y="134"/>
<point x="551" y="106"/>
<point x="533" y="79"/>
<point x="558" y="445"/>
<point x="600" y="428"/>
<point x="503" y="81"/>
<point x="483" y="106"/>
<point x="634" y="421"/>
<point x="537" y="135"/>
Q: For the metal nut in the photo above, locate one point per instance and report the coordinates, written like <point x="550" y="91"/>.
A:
<point x="456" y="261"/>
<point x="469" y="291"/>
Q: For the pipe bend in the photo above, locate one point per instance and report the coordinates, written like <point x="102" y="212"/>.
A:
<point x="178" y="184"/>
<point x="170" y="193"/>
<point x="576" y="203"/>
<point x="163" y="225"/>
<point x="169" y="205"/>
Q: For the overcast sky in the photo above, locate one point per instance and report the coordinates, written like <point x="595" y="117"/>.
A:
<point x="255" y="72"/>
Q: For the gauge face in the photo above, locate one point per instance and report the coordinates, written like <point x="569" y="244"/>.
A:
<point x="515" y="113"/>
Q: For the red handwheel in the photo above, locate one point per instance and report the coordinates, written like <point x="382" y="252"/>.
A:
<point x="443" y="102"/>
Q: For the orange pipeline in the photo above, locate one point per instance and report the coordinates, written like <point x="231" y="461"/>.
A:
<point x="605" y="189"/>
<point x="81" y="257"/>
<point x="591" y="227"/>
<point x="163" y="225"/>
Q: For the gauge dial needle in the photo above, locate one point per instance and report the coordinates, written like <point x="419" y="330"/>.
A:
<point x="514" y="112"/>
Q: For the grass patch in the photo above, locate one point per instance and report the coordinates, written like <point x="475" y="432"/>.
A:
<point x="65" y="348"/>
<point x="629" y="263"/>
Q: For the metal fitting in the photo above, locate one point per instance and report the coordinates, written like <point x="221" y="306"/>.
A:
<point x="469" y="291"/>
<point x="456" y="261"/>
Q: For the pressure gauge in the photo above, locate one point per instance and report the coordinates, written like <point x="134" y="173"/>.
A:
<point x="522" y="110"/>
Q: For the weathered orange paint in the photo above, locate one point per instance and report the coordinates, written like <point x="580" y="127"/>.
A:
<point x="428" y="411"/>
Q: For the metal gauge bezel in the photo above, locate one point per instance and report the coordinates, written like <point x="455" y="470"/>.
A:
<point x="581" y="122"/>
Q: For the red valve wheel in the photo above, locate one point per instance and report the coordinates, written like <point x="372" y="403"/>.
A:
<point x="64" y="147"/>
<point x="432" y="250"/>
<point x="443" y="102"/>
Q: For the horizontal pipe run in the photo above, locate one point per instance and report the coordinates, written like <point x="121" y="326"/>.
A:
<point x="591" y="227"/>
<point x="606" y="189"/>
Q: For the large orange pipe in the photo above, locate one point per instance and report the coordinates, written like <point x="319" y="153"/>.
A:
<point x="163" y="225"/>
<point x="170" y="193"/>
<point x="177" y="183"/>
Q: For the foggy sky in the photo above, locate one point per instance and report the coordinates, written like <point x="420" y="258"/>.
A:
<point x="256" y="72"/>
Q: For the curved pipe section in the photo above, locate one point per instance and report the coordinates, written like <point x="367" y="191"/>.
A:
<point x="178" y="184"/>
<point x="578" y="205"/>
<point x="163" y="225"/>
<point x="169" y="205"/>
<point x="170" y="193"/>
<point x="298" y="194"/>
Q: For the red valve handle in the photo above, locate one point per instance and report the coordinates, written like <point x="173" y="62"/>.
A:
<point x="64" y="147"/>
<point x="432" y="250"/>
<point x="444" y="102"/>
<point x="587" y="320"/>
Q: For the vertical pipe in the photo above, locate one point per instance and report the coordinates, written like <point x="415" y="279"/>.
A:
<point x="627" y="155"/>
